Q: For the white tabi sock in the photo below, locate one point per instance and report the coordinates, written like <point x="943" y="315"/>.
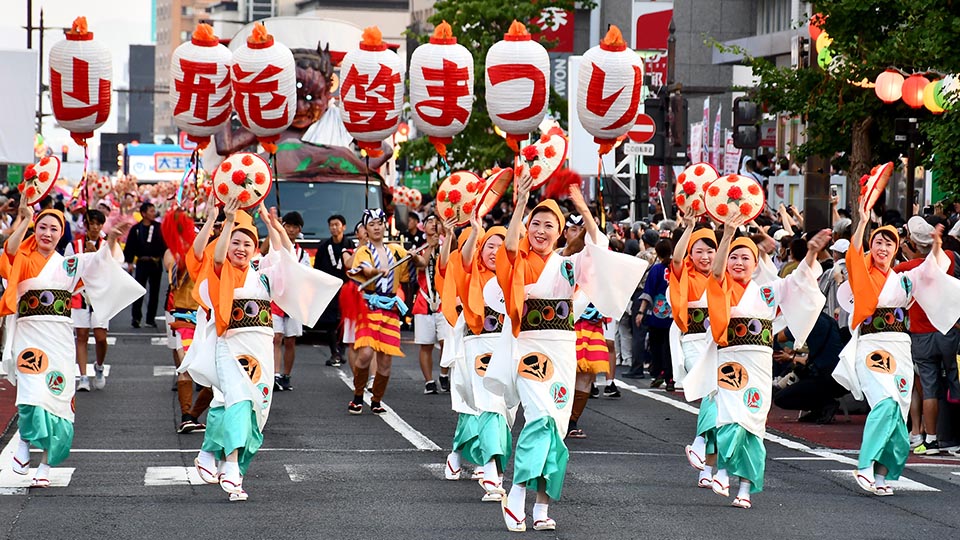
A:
<point x="207" y="460"/>
<point x="23" y="451"/>
<point x="516" y="500"/>
<point x="231" y="471"/>
<point x="699" y="446"/>
<point x="744" y="492"/>
<point x="453" y="458"/>
<point x="706" y="473"/>
<point x="43" y="471"/>
<point x="540" y="512"/>
<point x="722" y="477"/>
<point x="490" y="471"/>
<point x="880" y="480"/>
<point x="866" y="473"/>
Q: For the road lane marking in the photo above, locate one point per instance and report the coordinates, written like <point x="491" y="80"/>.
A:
<point x="164" y="371"/>
<point x="12" y="483"/>
<point x="392" y="419"/>
<point x="826" y="454"/>
<point x="172" y="476"/>
<point x="195" y="450"/>
<point x="903" y="484"/>
<point x="90" y="371"/>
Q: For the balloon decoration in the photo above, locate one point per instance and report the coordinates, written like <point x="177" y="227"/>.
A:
<point x="912" y="90"/>
<point x="80" y="79"/>
<point x="610" y="79"/>
<point x="407" y="196"/>
<point x="441" y="87"/>
<point x="889" y="86"/>
<point x="200" y="91"/>
<point x="517" y="84"/>
<point x="371" y="92"/>
<point x="264" y="80"/>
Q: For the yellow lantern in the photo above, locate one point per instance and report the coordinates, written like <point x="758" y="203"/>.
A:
<point x="823" y="40"/>
<point x="929" y="98"/>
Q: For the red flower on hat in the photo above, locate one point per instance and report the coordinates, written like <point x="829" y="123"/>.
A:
<point x="734" y="192"/>
<point x="44" y="161"/>
<point x="689" y="188"/>
<point x="471" y="187"/>
<point x="681" y="200"/>
<point x="529" y="153"/>
<point x="448" y="213"/>
<point x="695" y="205"/>
<point x="754" y="189"/>
<point x="698" y="170"/>
<point x="722" y="210"/>
<point x="682" y="177"/>
<point x="535" y="171"/>
<point x="468" y="207"/>
<point x="239" y="177"/>
<point x="455" y="179"/>
<point x="247" y="161"/>
<point x="863" y="179"/>
<point x="713" y="191"/>
<point x="746" y="209"/>
<point x="549" y="152"/>
<point x="732" y="178"/>
<point x="454" y="197"/>
<point x="29" y="172"/>
<point x="30" y="192"/>
<point x="260" y="178"/>
<point x="225" y="166"/>
<point x="244" y="196"/>
<point x="44" y="176"/>
<point x="441" y="195"/>
<point x="223" y="189"/>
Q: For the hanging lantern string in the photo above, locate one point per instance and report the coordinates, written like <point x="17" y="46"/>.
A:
<point x="80" y="192"/>
<point x="276" y="179"/>
<point x="197" y="181"/>
<point x="447" y="169"/>
<point x="929" y="71"/>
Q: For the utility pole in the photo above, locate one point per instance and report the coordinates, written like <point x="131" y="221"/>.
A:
<point x="40" y="81"/>
<point x="29" y="24"/>
<point x="816" y="173"/>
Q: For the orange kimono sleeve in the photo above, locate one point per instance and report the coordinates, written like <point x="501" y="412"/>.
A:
<point x="679" y="285"/>
<point x="446" y="282"/>
<point x="221" y="289"/>
<point x="866" y="283"/>
<point x="718" y="306"/>
<point x="510" y="270"/>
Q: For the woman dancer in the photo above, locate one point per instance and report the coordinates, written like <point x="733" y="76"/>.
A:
<point x="877" y="362"/>
<point x="737" y="367"/>
<point x="40" y="351"/>
<point x="538" y="286"/>
<point x="240" y="291"/>
<point x="689" y="272"/>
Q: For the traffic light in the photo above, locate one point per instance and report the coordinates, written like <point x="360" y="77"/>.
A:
<point x="746" y="124"/>
<point x="677" y="154"/>
<point x="656" y="108"/>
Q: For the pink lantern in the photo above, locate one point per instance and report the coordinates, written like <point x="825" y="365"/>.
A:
<point x="610" y="80"/>
<point x="201" y="90"/>
<point x="889" y="86"/>
<point x="441" y="87"/>
<point x="371" y="92"/>
<point x="913" y="90"/>
<point x="517" y="84"/>
<point x="80" y="80"/>
<point x="264" y="80"/>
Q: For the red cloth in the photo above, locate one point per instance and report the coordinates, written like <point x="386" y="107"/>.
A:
<point x="919" y="322"/>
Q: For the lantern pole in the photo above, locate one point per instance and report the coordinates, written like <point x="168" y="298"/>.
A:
<point x="40" y="80"/>
<point x="816" y="173"/>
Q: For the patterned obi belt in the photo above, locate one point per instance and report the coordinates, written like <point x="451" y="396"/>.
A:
<point x="885" y="320"/>
<point x="749" y="331"/>
<point x="392" y="302"/>
<point x="44" y="302"/>
<point x="697" y="318"/>
<point x="248" y="313"/>
<point x="546" y="314"/>
<point x="492" y="323"/>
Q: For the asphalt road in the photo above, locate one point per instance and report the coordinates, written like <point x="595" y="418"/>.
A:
<point x="325" y="474"/>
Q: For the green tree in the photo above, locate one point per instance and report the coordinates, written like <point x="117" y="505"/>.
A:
<point x="477" y="25"/>
<point x="848" y="122"/>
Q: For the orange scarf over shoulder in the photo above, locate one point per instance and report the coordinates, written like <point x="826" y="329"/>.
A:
<point x="221" y="289"/>
<point x="866" y="280"/>
<point x="515" y="273"/>
<point x="722" y="297"/>
<point x="26" y="264"/>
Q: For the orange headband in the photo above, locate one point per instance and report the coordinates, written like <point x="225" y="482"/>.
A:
<point x="746" y="242"/>
<point x="701" y="234"/>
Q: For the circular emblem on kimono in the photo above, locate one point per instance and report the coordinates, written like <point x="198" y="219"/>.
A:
<point x="251" y="365"/>
<point x="70" y="265"/>
<point x="558" y="391"/>
<point x="732" y="376"/>
<point x="491" y="322"/>
<point x="32" y="361"/>
<point x="903" y="386"/>
<point x="881" y="362"/>
<point x="566" y="270"/>
<point x="907" y="284"/>
<point x="265" y="282"/>
<point x="265" y="392"/>
<point x="56" y="382"/>
<point x="255" y="264"/>
<point x="697" y="315"/>
<point x="535" y="367"/>
<point x="480" y="364"/>
<point x="766" y="292"/>
<point x="753" y="399"/>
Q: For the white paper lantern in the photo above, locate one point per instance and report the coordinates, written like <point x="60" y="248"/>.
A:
<point x="200" y="88"/>
<point x="371" y="92"/>
<point x="441" y="87"/>
<point x="80" y="82"/>
<point x="517" y="84"/>
<point x="610" y="79"/>
<point x="264" y="80"/>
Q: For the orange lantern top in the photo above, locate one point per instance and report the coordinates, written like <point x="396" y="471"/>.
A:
<point x="913" y="90"/>
<point x="889" y="86"/>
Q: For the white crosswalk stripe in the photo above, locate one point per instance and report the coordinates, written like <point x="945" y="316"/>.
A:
<point x="172" y="476"/>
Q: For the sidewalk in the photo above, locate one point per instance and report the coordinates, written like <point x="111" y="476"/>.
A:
<point x="8" y="408"/>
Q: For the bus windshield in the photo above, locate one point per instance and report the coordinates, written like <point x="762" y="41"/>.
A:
<point x="317" y="201"/>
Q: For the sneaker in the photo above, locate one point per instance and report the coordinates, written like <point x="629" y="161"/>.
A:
<point x="285" y="383"/>
<point x="915" y="440"/>
<point x="376" y="408"/>
<point x="135" y="324"/>
<point x="611" y="391"/>
<point x="429" y="387"/>
<point x="277" y="387"/>
<point x="594" y="391"/>
<point x="671" y="386"/>
<point x="83" y="385"/>
<point x="99" y="381"/>
<point x="335" y="361"/>
<point x="354" y="408"/>
<point x="927" y="448"/>
<point x="444" y="383"/>
<point x="187" y="426"/>
<point x="656" y="383"/>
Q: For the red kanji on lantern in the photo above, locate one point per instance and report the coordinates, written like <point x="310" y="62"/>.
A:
<point x="201" y="89"/>
<point x="80" y="82"/>
<point x="372" y="92"/>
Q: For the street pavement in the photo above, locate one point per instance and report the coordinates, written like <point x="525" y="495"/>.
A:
<point x="325" y="474"/>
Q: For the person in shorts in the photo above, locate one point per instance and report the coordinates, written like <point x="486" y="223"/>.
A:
<point x="84" y="318"/>
<point x="430" y="327"/>
<point x="287" y="329"/>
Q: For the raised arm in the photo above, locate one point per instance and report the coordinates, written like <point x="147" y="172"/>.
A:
<point x="116" y="233"/>
<point x="200" y="242"/>
<point x="512" y="242"/>
<point x="275" y="232"/>
<point x="448" y="241"/>
<point x="25" y="215"/>
<point x="859" y="234"/>
<point x="817" y="244"/>
<point x="589" y="224"/>
<point x="470" y="246"/>
<point x="720" y="259"/>
<point x="223" y="242"/>
<point x="680" y="250"/>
